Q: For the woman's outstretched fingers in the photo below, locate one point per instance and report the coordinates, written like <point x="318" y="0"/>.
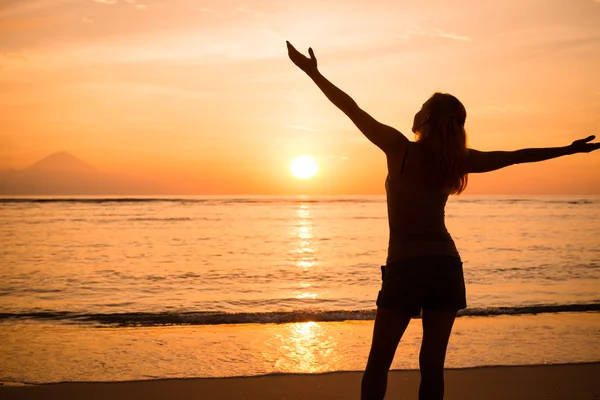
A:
<point x="291" y="48"/>
<point x="308" y="65"/>
<point x="589" y="138"/>
<point x="584" y="145"/>
<point x="585" y="140"/>
<point x="292" y="52"/>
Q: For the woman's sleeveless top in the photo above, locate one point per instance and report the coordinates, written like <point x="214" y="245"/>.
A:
<point x="416" y="210"/>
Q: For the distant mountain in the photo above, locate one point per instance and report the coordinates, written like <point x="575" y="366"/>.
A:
<point x="61" y="162"/>
<point x="64" y="174"/>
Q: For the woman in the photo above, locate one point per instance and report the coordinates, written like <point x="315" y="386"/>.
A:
<point x="423" y="272"/>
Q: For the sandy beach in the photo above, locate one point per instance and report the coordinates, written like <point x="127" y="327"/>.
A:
<point x="548" y="382"/>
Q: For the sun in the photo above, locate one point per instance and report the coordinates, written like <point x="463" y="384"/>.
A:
<point x="304" y="167"/>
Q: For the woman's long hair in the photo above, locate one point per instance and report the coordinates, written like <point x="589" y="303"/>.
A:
<point x="443" y="130"/>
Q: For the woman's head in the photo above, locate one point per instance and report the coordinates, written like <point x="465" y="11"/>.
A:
<point x="439" y="111"/>
<point x="440" y="123"/>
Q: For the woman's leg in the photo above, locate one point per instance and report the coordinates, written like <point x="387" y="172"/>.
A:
<point x="437" y="326"/>
<point x="389" y="328"/>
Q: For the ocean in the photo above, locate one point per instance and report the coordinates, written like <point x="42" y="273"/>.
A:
<point x="113" y="288"/>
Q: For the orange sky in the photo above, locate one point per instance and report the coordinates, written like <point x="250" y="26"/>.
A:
<point x="201" y="93"/>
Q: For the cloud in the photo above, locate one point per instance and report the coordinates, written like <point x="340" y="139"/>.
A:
<point x="87" y="20"/>
<point x="415" y="30"/>
<point x="109" y="2"/>
<point x="333" y="157"/>
<point x="136" y="4"/>
<point x="303" y="128"/>
<point x="452" y="36"/>
<point x="418" y="31"/>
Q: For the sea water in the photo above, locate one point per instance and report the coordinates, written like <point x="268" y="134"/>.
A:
<point x="149" y="287"/>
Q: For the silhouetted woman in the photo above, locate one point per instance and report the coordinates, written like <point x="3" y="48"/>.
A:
<point x="423" y="272"/>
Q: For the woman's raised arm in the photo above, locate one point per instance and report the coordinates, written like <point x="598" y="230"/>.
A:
<point x="486" y="161"/>
<point x="385" y="137"/>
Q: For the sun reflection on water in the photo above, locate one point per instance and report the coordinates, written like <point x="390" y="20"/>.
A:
<point x="306" y="295"/>
<point x="304" y="253"/>
<point x="306" y="348"/>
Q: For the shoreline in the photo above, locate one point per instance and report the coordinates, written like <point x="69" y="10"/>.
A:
<point x="289" y="374"/>
<point x="543" y="381"/>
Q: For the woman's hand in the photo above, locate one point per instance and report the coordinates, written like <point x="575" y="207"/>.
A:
<point x="582" y="145"/>
<point x="308" y="65"/>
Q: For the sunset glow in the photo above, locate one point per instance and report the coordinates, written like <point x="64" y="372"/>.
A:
<point x="203" y="99"/>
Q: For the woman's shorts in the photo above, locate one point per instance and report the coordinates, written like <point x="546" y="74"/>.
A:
<point x="433" y="282"/>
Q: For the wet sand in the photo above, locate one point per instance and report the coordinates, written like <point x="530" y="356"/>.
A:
<point x="548" y="382"/>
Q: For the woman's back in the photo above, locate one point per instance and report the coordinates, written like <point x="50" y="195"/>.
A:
<point x="416" y="203"/>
